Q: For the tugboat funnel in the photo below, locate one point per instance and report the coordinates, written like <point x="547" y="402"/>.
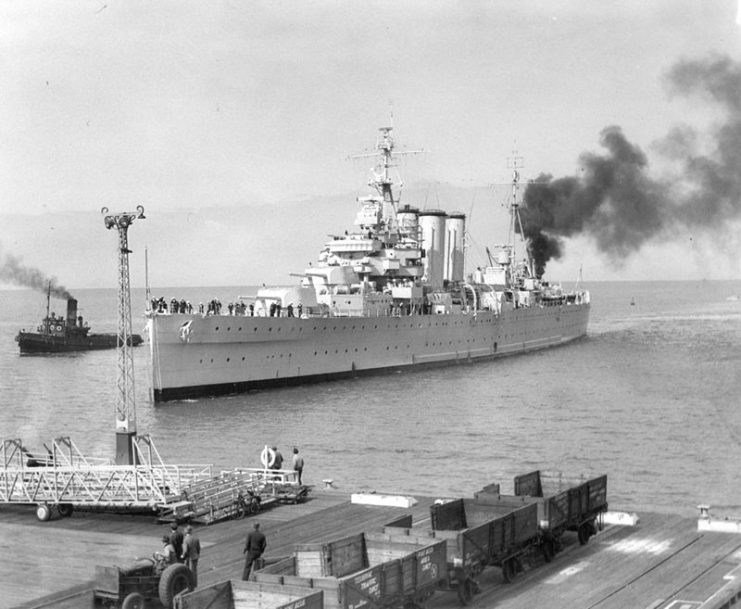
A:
<point x="71" y="311"/>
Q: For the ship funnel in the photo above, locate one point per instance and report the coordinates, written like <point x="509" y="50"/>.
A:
<point x="455" y="225"/>
<point x="432" y="223"/>
<point x="71" y="311"/>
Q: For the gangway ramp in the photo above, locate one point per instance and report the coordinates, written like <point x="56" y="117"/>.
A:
<point x="233" y="494"/>
<point x="64" y="478"/>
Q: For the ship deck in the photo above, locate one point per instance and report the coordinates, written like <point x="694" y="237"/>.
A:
<point x="662" y="562"/>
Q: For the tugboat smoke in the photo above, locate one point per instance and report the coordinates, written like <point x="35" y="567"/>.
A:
<point x="13" y="271"/>
<point x="620" y="206"/>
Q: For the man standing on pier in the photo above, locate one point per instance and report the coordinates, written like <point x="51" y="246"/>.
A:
<point x="176" y="539"/>
<point x="254" y="548"/>
<point x="298" y="464"/>
<point x="191" y="553"/>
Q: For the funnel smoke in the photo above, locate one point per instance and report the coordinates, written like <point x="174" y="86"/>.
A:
<point x="13" y="271"/>
<point x="620" y="206"/>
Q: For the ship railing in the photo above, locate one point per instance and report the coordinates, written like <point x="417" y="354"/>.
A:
<point x="225" y="480"/>
<point x="271" y="478"/>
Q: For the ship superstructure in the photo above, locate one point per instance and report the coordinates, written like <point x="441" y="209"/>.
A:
<point x="390" y="294"/>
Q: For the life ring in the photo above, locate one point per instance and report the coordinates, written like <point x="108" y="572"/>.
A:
<point x="59" y="328"/>
<point x="267" y="456"/>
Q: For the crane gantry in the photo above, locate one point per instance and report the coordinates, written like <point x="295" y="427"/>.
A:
<point x="126" y="395"/>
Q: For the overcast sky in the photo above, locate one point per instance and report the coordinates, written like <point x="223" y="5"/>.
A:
<point x="184" y="106"/>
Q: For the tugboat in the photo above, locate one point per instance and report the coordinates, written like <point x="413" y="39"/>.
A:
<point x="59" y="334"/>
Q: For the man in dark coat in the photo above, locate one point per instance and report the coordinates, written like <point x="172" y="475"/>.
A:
<point x="191" y="552"/>
<point x="254" y="548"/>
<point x="176" y="539"/>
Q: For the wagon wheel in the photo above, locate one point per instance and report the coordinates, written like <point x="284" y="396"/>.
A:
<point x="133" y="601"/>
<point x="549" y="550"/>
<point x="465" y="591"/>
<point x="422" y="597"/>
<point x="65" y="509"/>
<point x="508" y="570"/>
<point x="586" y="529"/>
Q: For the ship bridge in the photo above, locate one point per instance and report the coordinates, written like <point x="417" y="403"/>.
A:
<point x="353" y="244"/>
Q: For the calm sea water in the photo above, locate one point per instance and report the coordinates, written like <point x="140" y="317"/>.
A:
<point x="650" y="397"/>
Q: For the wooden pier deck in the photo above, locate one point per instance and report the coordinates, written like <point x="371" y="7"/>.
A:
<point x="661" y="563"/>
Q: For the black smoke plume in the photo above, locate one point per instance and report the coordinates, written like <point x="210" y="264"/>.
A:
<point x="620" y="206"/>
<point x="12" y="270"/>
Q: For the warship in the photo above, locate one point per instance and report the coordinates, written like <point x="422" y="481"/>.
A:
<point x="389" y="295"/>
<point x="57" y="334"/>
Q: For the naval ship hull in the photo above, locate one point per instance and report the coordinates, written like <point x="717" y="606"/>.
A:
<point x="194" y="356"/>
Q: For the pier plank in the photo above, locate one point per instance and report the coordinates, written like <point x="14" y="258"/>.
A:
<point x="645" y="566"/>
<point x="663" y="558"/>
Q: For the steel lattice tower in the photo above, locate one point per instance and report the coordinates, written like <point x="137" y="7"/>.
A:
<point x="126" y="395"/>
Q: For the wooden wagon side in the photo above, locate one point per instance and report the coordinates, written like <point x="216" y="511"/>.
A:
<point x="365" y="570"/>
<point x="565" y="506"/>
<point x="235" y="594"/>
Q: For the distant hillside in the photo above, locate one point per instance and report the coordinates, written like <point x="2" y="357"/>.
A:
<point x="241" y="244"/>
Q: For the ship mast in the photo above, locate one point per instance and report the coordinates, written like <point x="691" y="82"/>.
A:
<point x="515" y="226"/>
<point x="48" y="307"/>
<point x="381" y="174"/>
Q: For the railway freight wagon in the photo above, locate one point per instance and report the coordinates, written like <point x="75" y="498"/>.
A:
<point x="369" y="570"/>
<point x="476" y="535"/>
<point x="232" y="594"/>
<point x="562" y="506"/>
